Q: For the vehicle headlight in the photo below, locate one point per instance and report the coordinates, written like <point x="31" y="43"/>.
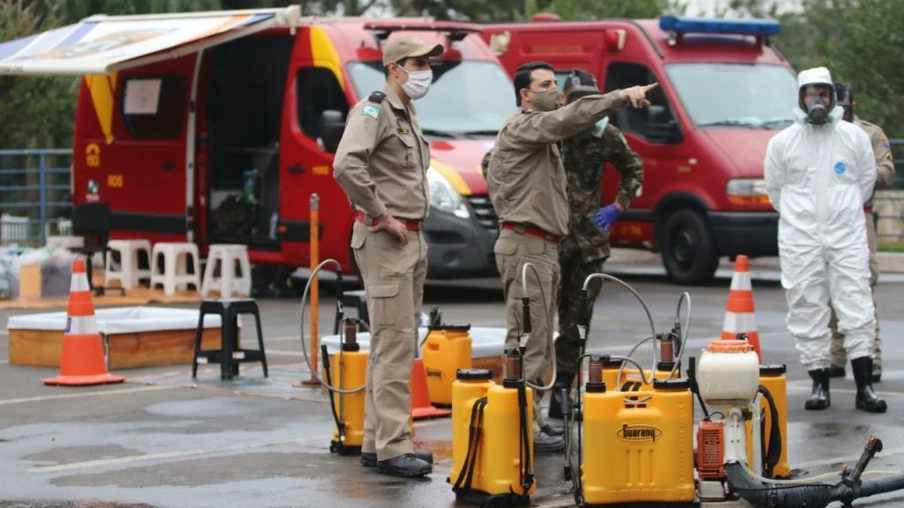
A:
<point x="747" y="191"/>
<point x="443" y="197"/>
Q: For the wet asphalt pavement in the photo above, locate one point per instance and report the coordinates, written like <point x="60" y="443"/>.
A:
<point x="164" y="440"/>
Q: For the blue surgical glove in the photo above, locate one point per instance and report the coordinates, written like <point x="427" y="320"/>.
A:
<point x="606" y="216"/>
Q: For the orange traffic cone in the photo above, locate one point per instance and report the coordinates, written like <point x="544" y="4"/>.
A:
<point x="740" y="314"/>
<point x="420" y="398"/>
<point x="83" y="354"/>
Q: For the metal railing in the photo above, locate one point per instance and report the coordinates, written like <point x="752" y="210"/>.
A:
<point x="36" y="200"/>
<point x="890" y="224"/>
<point x="35" y="195"/>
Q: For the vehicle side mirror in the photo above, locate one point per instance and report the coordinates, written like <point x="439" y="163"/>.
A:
<point x="661" y="127"/>
<point x="332" y="126"/>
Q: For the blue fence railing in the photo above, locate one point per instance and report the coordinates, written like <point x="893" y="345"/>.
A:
<point x="35" y="195"/>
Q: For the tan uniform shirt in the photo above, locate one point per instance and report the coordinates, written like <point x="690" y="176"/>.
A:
<point x="382" y="160"/>
<point x="885" y="163"/>
<point x="526" y="180"/>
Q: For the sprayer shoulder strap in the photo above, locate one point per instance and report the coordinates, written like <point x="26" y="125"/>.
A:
<point x="466" y="475"/>
<point x="775" y="437"/>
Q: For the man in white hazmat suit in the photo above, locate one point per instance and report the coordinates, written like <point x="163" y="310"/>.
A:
<point x="819" y="173"/>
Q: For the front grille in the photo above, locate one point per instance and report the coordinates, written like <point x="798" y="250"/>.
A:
<point x="483" y="210"/>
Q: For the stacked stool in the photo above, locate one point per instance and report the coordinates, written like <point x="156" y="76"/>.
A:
<point x="175" y="272"/>
<point x="228" y="255"/>
<point x="129" y="273"/>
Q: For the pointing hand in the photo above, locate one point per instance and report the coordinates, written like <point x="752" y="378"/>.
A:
<point x="637" y="94"/>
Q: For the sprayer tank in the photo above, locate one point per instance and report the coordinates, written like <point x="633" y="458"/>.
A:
<point x="729" y="370"/>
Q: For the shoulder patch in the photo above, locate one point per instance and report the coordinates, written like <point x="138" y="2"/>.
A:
<point x="886" y="144"/>
<point x="377" y="97"/>
<point x="371" y="111"/>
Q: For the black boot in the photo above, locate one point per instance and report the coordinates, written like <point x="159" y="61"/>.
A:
<point x="836" y="371"/>
<point x="867" y="399"/>
<point x="555" y="400"/>
<point x="820" y="398"/>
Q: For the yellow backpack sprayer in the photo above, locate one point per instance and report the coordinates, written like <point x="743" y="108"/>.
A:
<point x="650" y="430"/>
<point x="350" y="367"/>
<point x="647" y="423"/>
<point x="492" y="433"/>
<point x="446" y="350"/>
<point x="350" y="363"/>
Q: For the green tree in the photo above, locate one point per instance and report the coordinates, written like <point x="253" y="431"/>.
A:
<point x="588" y="10"/>
<point x="481" y="11"/>
<point x="36" y="111"/>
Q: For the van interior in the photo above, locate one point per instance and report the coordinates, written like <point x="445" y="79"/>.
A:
<point x="245" y="90"/>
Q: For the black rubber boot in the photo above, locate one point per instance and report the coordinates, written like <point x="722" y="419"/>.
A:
<point x="820" y="398"/>
<point x="836" y="371"/>
<point x="867" y="399"/>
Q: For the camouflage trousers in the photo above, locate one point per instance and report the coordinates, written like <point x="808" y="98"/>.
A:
<point x="574" y="272"/>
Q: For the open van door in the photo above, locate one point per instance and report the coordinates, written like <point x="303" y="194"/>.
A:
<point x="134" y="143"/>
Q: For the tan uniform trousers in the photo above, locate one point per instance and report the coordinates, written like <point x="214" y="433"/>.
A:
<point x="394" y="287"/>
<point x="512" y="250"/>
<point x="838" y="355"/>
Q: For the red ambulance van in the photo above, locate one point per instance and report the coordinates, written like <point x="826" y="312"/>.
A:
<point x="724" y="92"/>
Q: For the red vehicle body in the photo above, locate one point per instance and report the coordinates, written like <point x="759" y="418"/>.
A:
<point x="240" y="131"/>
<point x="721" y="97"/>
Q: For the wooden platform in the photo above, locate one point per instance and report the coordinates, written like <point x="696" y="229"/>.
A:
<point x="44" y="348"/>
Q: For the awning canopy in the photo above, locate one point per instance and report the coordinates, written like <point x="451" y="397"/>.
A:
<point x="103" y="44"/>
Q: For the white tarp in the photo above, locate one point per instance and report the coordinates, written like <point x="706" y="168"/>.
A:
<point x="101" y="44"/>
<point x="120" y="320"/>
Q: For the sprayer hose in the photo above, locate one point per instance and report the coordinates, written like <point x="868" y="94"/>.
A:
<point x="304" y="349"/>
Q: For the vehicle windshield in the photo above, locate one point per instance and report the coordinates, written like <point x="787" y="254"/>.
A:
<point x="468" y="98"/>
<point x="736" y="95"/>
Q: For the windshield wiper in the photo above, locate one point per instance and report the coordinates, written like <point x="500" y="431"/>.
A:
<point x="440" y="134"/>
<point x="487" y="132"/>
<point x="777" y="121"/>
<point x="734" y="123"/>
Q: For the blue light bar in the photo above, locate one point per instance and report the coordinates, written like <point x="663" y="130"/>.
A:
<point x="683" y="24"/>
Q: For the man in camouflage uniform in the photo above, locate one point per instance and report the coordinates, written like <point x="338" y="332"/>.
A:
<point x="885" y="179"/>
<point x="584" y="250"/>
<point x="586" y="247"/>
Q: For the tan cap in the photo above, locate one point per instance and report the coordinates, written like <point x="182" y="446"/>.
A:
<point x="408" y="46"/>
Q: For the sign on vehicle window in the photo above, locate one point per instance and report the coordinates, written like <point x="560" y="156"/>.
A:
<point x="142" y="96"/>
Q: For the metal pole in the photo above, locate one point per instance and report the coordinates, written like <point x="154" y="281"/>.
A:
<point x="315" y="286"/>
<point x="42" y="175"/>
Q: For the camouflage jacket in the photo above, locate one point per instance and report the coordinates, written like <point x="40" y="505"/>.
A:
<point x="584" y="157"/>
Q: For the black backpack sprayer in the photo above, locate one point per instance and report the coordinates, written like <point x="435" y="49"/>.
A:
<point x="497" y="472"/>
<point x="648" y="425"/>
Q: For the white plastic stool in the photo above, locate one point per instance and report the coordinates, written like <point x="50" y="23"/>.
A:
<point x="129" y="274"/>
<point x="175" y="266"/>
<point x="228" y="254"/>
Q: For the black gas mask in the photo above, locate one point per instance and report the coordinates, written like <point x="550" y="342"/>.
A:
<point x="814" y="104"/>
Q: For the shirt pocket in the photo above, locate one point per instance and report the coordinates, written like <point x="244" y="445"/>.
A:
<point x="408" y="149"/>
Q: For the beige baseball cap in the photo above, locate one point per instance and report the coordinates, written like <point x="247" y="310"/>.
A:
<point x="408" y="46"/>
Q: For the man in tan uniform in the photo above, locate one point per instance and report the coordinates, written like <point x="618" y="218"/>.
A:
<point x="527" y="186"/>
<point x="381" y="163"/>
<point x="885" y="179"/>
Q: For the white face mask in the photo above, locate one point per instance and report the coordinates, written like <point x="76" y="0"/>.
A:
<point x="418" y="83"/>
